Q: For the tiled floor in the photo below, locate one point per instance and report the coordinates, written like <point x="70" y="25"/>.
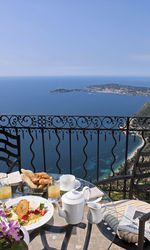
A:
<point x="97" y="241"/>
<point x="114" y="247"/>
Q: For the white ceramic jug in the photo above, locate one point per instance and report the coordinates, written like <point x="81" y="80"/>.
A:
<point x="94" y="215"/>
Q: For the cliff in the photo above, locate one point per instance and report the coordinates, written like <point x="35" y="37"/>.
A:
<point x="144" y="111"/>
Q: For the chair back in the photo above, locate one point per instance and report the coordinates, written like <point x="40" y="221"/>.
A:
<point x="9" y="151"/>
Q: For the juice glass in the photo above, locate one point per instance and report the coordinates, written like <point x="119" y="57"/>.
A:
<point x="54" y="191"/>
<point x="5" y="192"/>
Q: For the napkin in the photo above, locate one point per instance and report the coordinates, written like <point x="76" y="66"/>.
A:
<point x="94" y="193"/>
<point x="14" y="178"/>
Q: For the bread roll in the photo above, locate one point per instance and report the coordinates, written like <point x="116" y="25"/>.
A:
<point x="38" y="180"/>
<point x="40" y="174"/>
<point x="41" y="186"/>
<point x="28" y="181"/>
<point x="44" y="181"/>
<point x="35" y="180"/>
<point x="28" y="173"/>
<point x="45" y="176"/>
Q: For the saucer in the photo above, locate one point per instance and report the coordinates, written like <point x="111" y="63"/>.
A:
<point x="77" y="185"/>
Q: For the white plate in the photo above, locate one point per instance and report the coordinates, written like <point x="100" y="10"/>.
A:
<point x="47" y="204"/>
<point x="77" y="185"/>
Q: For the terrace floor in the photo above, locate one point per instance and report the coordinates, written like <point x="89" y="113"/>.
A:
<point x="97" y="241"/>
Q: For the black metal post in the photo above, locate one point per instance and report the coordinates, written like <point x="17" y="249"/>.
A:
<point x="126" y="157"/>
<point x="97" y="154"/>
<point x="43" y="145"/>
<point x="88" y="235"/>
<point x="70" y="151"/>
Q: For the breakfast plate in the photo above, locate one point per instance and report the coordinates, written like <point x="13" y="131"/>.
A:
<point x="77" y="185"/>
<point x="36" y="201"/>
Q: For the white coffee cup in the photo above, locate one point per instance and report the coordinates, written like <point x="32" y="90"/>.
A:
<point x="67" y="182"/>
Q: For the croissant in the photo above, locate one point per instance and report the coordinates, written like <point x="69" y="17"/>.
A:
<point x="45" y="176"/>
<point x="28" y="181"/>
<point x="44" y="181"/>
<point x="35" y="180"/>
<point x="40" y="174"/>
<point x="41" y="186"/>
<point x="28" y="173"/>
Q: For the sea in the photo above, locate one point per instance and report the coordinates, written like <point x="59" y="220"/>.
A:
<point x="32" y="95"/>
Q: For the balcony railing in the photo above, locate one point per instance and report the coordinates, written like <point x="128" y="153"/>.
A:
<point x="91" y="147"/>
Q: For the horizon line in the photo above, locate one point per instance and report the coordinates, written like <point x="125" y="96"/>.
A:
<point x="3" y="76"/>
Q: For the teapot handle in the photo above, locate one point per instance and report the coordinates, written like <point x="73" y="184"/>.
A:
<point x="89" y="192"/>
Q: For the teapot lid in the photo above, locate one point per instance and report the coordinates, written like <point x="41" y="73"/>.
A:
<point x="73" y="197"/>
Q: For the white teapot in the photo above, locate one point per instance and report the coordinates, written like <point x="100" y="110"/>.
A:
<point x="73" y="203"/>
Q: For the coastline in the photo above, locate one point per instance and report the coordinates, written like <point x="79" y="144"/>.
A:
<point x="120" y="166"/>
<point x="110" y="88"/>
<point x="132" y="156"/>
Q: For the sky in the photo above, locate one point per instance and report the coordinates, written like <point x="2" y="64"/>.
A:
<point x="74" y="37"/>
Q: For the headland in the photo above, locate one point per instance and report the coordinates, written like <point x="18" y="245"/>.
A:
<point x="109" y="88"/>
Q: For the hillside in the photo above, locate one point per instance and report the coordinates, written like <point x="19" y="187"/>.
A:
<point x="144" y="111"/>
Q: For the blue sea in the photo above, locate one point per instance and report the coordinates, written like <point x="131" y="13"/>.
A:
<point x="31" y="95"/>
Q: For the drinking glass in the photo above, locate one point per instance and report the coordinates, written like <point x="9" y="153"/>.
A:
<point x="54" y="191"/>
<point x="5" y="190"/>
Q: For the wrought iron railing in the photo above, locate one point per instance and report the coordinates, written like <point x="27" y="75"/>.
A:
<point x="91" y="147"/>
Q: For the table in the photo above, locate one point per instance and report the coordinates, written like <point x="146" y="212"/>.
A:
<point x="57" y="234"/>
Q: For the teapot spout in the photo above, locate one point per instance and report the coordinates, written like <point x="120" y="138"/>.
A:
<point x="61" y="212"/>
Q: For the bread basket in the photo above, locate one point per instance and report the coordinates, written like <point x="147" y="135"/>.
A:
<point x="36" y="182"/>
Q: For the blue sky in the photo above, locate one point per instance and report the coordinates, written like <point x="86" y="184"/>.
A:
<point x="74" y="37"/>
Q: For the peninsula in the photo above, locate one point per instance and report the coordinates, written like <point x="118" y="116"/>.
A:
<point x="109" y="88"/>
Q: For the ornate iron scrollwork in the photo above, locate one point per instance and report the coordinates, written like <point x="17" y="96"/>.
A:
<point x="54" y="121"/>
<point x="51" y="133"/>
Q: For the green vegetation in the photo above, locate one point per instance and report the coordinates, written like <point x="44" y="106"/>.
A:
<point x="144" y="111"/>
<point x="115" y="196"/>
<point x="140" y="164"/>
